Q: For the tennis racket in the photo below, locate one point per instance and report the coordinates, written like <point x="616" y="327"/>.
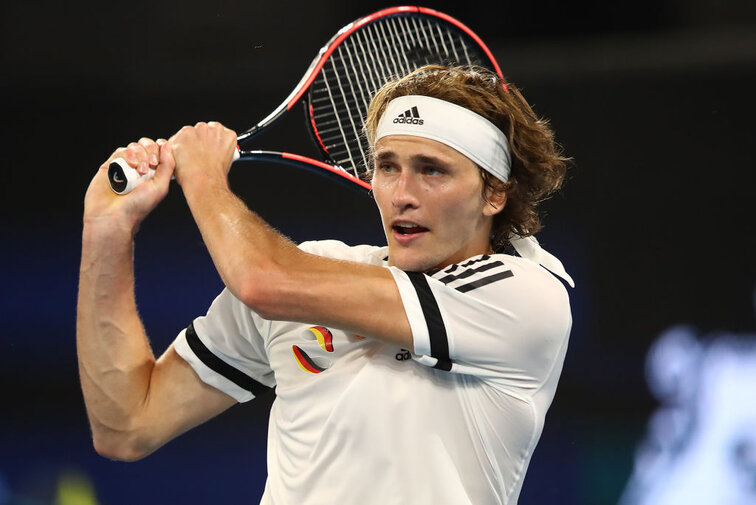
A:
<point x="340" y="82"/>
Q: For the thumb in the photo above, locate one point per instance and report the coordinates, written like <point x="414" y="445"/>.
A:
<point x="166" y="163"/>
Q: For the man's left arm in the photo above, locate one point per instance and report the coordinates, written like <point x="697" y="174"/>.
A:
<point x="269" y="273"/>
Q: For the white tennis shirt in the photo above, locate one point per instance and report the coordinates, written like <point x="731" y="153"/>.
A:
<point x="356" y="421"/>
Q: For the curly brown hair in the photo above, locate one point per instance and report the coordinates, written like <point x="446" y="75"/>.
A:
<point x="538" y="165"/>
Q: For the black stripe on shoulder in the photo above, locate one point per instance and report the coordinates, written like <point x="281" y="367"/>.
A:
<point x="472" y="262"/>
<point x="471" y="271"/>
<point x="452" y="268"/>
<point x="219" y="366"/>
<point x="439" y="342"/>
<point x="464" y="288"/>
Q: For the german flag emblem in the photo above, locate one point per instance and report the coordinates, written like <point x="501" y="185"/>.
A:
<point x="325" y="339"/>
<point x="304" y="361"/>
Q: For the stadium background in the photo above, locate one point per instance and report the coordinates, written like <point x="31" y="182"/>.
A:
<point x="653" y="99"/>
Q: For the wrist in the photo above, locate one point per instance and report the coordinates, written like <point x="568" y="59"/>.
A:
<point x="203" y="183"/>
<point x="107" y="229"/>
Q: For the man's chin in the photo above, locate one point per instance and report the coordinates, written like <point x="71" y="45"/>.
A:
<point x="411" y="262"/>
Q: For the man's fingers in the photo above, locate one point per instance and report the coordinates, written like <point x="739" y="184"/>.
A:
<point x="138" y="157"/>
<point x="143" y="155"/>
<point x="152" y="149"/>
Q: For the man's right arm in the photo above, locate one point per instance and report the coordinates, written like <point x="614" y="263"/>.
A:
<point x="134" y="402"/>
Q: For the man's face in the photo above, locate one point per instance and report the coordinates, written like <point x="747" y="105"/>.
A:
<point x="430" y="199"/>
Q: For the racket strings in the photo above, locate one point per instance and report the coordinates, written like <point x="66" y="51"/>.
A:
<point x="371" y="56"/>
<point x="355" y="122"/>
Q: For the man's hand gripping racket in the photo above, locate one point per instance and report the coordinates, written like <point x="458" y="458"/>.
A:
<point x="124" y="178"/>
<point x="340" y="82"/>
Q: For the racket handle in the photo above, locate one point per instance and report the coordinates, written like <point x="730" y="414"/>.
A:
<point x="123" y="178"/>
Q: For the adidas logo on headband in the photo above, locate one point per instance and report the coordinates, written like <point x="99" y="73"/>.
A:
<point x="410" y="116"/>
<point x="467" y="132"/>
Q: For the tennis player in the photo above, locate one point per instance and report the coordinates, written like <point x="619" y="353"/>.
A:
<point x="417" y="373"/>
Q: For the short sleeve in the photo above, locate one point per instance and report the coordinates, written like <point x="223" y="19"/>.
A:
<point x="336" y="249"/>
<point x="498" y="317"/>
<point x="226" y="349"/>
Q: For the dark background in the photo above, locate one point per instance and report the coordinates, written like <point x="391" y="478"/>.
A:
<point x="653" y="99"/>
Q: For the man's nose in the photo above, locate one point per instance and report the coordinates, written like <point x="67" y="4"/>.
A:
<point x="405" y="191"/>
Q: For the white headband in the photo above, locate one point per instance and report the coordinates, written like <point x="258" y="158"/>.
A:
<point x="461" y="129"/>
<point x="472" y="135"/>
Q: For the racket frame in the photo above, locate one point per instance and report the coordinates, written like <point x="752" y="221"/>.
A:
<point x="306" y="81"/>
<point x="311" y="74"/>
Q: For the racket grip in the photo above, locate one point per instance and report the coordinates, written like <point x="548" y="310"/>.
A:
<point x="123" y="178"/>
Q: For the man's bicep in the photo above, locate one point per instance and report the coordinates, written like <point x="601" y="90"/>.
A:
<point x="333" y="284"/>
<point x="358" y="298"/>
<point x="217" y="361"/>
<point x="178" y="400"/>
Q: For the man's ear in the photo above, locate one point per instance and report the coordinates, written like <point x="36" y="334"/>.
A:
<point x="496" y="200"/>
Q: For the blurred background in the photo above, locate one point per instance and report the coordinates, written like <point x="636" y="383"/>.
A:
<point x="654" y="100"/>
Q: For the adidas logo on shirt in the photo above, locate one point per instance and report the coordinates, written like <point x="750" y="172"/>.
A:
<point x="403" y="355"/>
<point x="410" y="116"/>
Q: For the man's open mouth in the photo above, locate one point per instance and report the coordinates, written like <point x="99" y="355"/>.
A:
<point x="408" y="228"/>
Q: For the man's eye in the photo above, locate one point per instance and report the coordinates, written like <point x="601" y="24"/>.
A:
<point x="385" y="167"/>
<point x="431" y="170"/>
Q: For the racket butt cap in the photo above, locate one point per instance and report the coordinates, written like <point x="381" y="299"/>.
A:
<point x="123" y="178"/>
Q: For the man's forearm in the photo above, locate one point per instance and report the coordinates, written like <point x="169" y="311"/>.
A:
<point x="268" y="272"/>
<point x="115" y="359"/>
<point x="244" y="248"/>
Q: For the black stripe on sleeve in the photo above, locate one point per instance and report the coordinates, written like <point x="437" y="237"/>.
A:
<point x="464" y="288"/>
<point x="439" y="342"/>
<point x="219" y="366"/>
